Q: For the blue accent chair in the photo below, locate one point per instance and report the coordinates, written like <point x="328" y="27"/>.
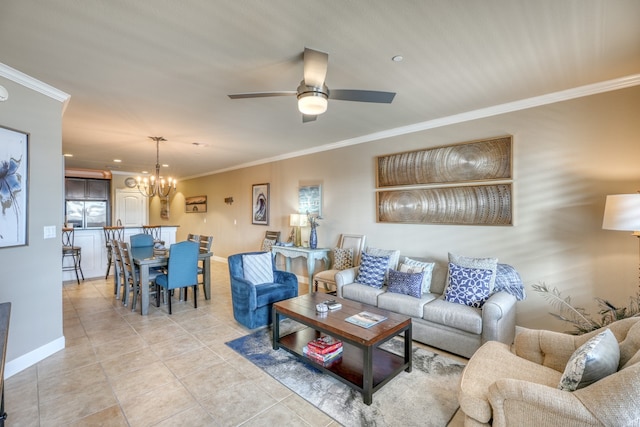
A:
<point x="252" y="303"/>
<point x="141" y="240"/>
<point x="182" y="271"/>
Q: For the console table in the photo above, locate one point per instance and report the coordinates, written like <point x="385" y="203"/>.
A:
<point x="290" y="252"/>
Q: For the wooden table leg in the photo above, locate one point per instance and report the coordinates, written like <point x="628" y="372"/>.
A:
<point x="367" y="378"/>
<point x="144" y="289"/>
<point x="206" y="275"/>
<point x="275" y="316"/>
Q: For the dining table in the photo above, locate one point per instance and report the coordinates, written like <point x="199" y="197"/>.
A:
<point x="146" y="258"/>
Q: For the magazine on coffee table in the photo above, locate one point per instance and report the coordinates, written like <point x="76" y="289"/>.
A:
<point x="365" y="319"/>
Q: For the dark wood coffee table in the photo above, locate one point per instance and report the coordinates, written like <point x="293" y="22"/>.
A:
<point x="364" y="365"/>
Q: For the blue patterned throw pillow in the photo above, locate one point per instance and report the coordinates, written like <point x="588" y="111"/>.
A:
<point x="405" y="283"/>
<point x="468" y="286"/>
<point x="372" y="270"/>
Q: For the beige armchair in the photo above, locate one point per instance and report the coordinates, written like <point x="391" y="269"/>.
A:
<point x="519" y="386"/>
<point x="347" y="241"/>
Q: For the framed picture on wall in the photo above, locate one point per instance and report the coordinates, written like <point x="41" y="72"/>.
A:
<point x="14" y="188"/>
<point x="164" y="208"/>
<point x="195" y="204"/>
<point x="260" y="204"/>
<point x="310" y="200"/>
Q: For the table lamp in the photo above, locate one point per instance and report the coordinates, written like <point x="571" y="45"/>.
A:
<point x="622" y="212"/>
<point x="296" y="221"/>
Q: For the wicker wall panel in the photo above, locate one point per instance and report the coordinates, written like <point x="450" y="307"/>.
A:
<point x="483" y="160"/>
<point x="477" y="205"/>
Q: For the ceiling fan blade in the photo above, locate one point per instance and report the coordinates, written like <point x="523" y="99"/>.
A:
<point x="262" y="94"/>
<point x="308" y="118"/>
<point x="362" y="95"/>
<point x="315" y="67"/>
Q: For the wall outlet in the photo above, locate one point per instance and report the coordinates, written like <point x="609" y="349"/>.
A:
<point x="49" y="231"/>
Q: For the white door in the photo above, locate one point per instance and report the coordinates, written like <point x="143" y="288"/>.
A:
<point x="132" y="208"/>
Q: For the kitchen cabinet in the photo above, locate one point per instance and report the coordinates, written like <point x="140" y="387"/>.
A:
<point x="86" y="189"/>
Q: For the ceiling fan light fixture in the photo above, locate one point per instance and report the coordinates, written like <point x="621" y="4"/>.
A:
<point x="312" y="103"/>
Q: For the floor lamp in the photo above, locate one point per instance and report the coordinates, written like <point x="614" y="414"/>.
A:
<point x="622" y="212"/>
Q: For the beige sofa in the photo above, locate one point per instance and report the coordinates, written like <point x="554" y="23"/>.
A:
<point x="519" y="386"/>
<point x="456" y="328"/>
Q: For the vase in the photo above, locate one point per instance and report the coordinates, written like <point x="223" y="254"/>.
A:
<point x="313" y="239"/>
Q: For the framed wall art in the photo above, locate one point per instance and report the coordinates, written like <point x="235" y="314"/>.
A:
<point x="310" y="200"/>
<point x="14" y="187"/>
<point x="164" y="208"/>
<point x="468" y="205"/>
<point x="195" y="204"/>
<point x="260" y="204"/>
<point x="483" y="160"/>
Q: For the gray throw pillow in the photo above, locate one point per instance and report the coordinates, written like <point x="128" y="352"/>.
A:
<point x="592" y="361"/>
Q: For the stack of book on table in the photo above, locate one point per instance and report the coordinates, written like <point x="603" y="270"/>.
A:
<point x="324" y="350"/>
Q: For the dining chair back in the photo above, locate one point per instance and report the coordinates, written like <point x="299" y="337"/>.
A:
<point x="130" y="278"/>
<point x="141" y="240"/>
<point x="205" y="247"/>
<point x="110" y="234"/>
<point x="69" y="249"/>
<point x="132" y="275"/>
<point x="118" y="277"/>
<point x="182" y="271"/>
<point x="356" y="243"/>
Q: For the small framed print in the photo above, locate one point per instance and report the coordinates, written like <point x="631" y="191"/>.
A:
<point x="310" y="200"/>
<point x="260" y="204"/>
<point x="195" y="204"/>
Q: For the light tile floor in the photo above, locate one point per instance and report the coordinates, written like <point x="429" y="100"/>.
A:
<point x="122" y="369"/>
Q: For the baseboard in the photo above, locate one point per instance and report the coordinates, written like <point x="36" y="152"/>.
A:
<point x="25" y="361"/>
<point x="220" y="259"/>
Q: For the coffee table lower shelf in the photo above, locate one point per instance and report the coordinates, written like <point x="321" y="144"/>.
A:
<point x="352" y="368"/>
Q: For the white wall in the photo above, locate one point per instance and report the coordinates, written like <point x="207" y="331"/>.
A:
<point x="31" y="276"/>
<point x="567" y="157"/>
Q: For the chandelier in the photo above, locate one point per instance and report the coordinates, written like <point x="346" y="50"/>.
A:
<point x="155" y="184"/>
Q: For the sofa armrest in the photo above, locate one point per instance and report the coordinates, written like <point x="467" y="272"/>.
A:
<point x="499" y="318"/>
<point x="285" y="277"/>
<point x="345" y="277"/>
<point x="522" y="403"/>
<point x="243" y="293"/>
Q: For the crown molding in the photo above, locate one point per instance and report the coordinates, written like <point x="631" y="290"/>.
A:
<point x="34" y="84"/>
<point x="509" y="107"/>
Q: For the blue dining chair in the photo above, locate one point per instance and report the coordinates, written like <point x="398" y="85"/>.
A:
<point x="141" y="240"/>
<point x="182" y="271"/>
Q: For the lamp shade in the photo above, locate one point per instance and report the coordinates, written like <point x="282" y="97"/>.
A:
<point x="622" y="212"/>
<point x="294" y="220"/>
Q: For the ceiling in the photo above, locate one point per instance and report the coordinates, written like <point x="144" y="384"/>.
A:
<point x="165" y="67"/>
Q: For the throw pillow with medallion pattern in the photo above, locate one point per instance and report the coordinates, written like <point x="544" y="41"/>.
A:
<point x="468" y="286"/>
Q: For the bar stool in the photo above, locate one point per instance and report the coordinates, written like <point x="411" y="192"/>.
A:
<point x="111" y="233"/>
<point x="70" y="250"/>
<point x="155" y="231"/>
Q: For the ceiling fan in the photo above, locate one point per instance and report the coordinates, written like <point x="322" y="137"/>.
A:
<point x="313" y="94"/>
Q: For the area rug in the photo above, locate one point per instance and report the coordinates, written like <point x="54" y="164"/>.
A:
<point x="426" y="396"/>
